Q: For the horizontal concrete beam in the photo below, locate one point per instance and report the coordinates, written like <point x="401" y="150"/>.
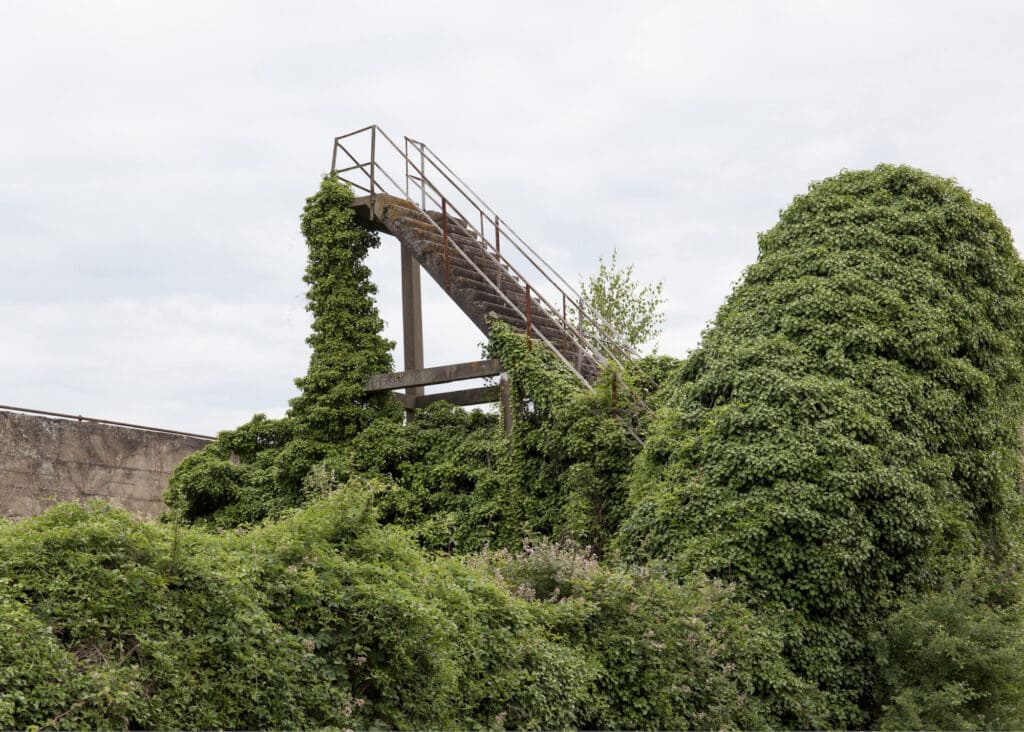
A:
<point x="463" y="398"/>
<point x="433" y="375"/>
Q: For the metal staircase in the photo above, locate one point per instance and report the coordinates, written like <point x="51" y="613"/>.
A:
<point x="483" y="265"/>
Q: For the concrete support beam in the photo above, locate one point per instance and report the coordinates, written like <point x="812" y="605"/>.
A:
<point x="433" y="375"/>
<point x="412" y="321"/>
<point x="462" y="398"/>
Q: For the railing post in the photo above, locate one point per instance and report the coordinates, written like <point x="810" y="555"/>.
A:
<point x="529" y="322"/>
<point x="406" y="156"/>
<point x="423" y="179"/>
<point x="506" y="404"/>
<point x="583" y="337"/>
<point x="373" y="162"/>
<point x="497" y="246"/>
<point x="444" y="236"/>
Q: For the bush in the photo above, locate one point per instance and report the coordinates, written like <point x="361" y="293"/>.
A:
<point x="668" y="655"/>
<point x="142" y="627"/>
<point x="852" y="415"/>
<point x="323" y="619"/>
<point x="950" y="658"/>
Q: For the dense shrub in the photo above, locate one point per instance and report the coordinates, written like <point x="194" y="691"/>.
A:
<point x="142" y="627"/>
<point x="449" y="477"/>
<point x="668" y="655"/>
<point x="39" y="682"/>
<point x="851" y="418"/>
<point x="949" y="658"/>
<point x="326" y="618"/>
<point x="460" y="483"/>
<point x="419" y="642"/>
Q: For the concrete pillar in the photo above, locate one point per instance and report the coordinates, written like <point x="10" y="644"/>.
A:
<point x="412" y="321"/>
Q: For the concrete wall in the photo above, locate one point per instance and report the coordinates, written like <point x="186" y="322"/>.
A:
<point x="45" y="460"/>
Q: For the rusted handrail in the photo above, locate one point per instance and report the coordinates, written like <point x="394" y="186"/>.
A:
<point x="605" y="329"/>
<point x="439" y="201"/>
<point x="496" y="287"/>
<point x="578" y="337"/>
<point x="609" y="346"/>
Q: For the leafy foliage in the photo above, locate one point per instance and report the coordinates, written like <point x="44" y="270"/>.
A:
<point x="327" y="619"/>
<point x="460" y="484"/>
<point x="851" y="420"/>
<point x="347" y="346"/>
<point x="143" y="627"/>
<point x="949" y="658"/>
<point x="669" y="655"/>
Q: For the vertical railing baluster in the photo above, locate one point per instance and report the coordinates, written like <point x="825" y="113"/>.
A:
<point x="497" y="245"/>
<point x="373" y="161"/>
<point x="583" y="337"/>
<point x="529" y="322"/>
<point x="444" y="236"/>
<point x="423" y="179"/>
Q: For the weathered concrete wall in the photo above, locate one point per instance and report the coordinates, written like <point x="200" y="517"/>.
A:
<point x="44" y="460"/>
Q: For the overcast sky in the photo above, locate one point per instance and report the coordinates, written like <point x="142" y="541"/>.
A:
<point x="154" y="159"/>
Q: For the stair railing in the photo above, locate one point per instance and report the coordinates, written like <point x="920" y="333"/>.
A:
<point x="530" y="297"/>
<point x="372" y="170"/>
<point x="618" y="348"/>
<point x="431" y="193"/>
<point x="432" y="181"/>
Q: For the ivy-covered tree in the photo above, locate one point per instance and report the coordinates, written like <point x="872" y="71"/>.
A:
<point x="346" y="341"/>
<point x="260" y="468"/>
<point x="849" y="429"/>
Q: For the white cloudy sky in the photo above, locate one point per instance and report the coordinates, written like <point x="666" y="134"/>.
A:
<point x="154" y="157"/>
